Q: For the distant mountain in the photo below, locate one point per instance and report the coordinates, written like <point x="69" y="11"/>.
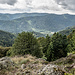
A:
<point x="18" y="15"/>
<point x="36" y="22"/>
<point x="67" y="31"/>
<point x="6" y="38"/>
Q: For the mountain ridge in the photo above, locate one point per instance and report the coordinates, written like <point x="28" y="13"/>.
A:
<point x="6" y="38"/>
<point x="67" y="31"/>
<point x="37" y="22"/>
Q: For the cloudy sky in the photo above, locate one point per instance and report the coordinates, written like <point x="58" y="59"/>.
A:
<point x="40" y="6"/>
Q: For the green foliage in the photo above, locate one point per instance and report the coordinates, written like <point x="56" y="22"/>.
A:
<point x="71" y="45"/>
<point x="47" y="42"/>
<point x="44" y="57"/>
<point x="57" y="47"/>
<point x="25" y="43"/>
<point x="42" y="42"/>
<point x="3" y="51"/>
<point x="6" y="39"/>
<point x="27" y="21"/>
<point x="67" y="31"/>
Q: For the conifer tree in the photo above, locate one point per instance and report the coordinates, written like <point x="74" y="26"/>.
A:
<point x="57" y="47"/>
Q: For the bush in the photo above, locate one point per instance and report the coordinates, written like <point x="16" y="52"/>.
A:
<point x="3" y="51"/>
<point x="25" y="43"/>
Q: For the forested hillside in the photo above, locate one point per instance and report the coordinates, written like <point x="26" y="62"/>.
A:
<point x="6" y="38"/>
<point x="19" y="15"/>
<point x="43" y="23"/>
<point x="33" y="48"/>
<point x="67" y="31"/>
<point x="27" y="43"/>
<point x="47" y="51"/>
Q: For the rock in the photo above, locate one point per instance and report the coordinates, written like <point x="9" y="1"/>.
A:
<point x="5" y="62"/>
<point x="51" y="70"/>
<point x="23" y="66"/>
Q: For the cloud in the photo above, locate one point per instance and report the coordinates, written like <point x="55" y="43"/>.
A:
<point x="46" y="6"/>
<point x="10" y="2"/>
<point x="67" y="4"/>
<point x="40" y="6"/>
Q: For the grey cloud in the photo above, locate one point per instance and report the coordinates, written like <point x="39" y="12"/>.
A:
<point x="67" y="4"/>
<point x="47" y="8"/>
<point x="62" y="3"/>
<point x="28" y="2"/>
<point x="10" y="2"/>
<point x="43" y="7"/>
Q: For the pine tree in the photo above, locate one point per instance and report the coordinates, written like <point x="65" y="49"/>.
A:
<point x="71" y="45"/>
<point x="46" y="44"/>
<point x="57" y="47"/>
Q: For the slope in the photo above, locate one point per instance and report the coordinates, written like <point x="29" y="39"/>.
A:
<point x="6" y="38"/>
<point x="43" y="23"/>
<point x="67" y="31"/>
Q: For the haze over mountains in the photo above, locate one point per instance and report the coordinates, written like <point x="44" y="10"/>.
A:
<point x="37" y="22"/>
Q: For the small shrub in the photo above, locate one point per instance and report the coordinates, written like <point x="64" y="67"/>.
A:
<point x="3" y="51"/>
<point x="73" y="52"/>
<point x="44" y="58"/>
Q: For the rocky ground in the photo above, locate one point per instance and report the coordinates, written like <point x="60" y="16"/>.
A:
<point x="29" y="65"/>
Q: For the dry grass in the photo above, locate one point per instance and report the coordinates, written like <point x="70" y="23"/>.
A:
<point x="18" y="59"/>
<point x="31" y="59"/>
<point x="31" y="63"/>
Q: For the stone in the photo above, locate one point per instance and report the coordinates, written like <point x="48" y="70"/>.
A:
<point x="51" y="70"/>
<point x="23" y="66"/>
<point x="6" y="62"/>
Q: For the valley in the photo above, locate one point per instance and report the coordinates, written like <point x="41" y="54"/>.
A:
<point x="35" y="22"/>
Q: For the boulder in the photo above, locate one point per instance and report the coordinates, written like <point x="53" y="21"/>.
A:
<point x="51" y="70"/>
<point x="23" y="66"/>
<point x="5" y="62"/>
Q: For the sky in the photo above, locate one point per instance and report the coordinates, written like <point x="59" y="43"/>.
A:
<point x="37" y="6"/>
